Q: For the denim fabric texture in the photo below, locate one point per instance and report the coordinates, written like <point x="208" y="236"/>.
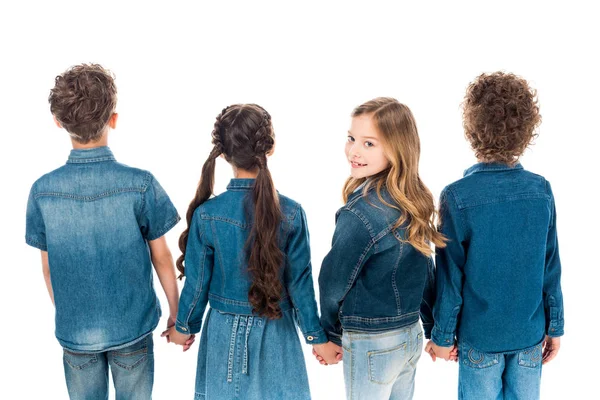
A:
<point x="499" y="376"/>
<point x="250" y="358"/>
<point x="132" y="370"/>
<point x="498" y="279"/>
<point x="94" y="217"/>
<point x="216" y="262"/>
<point x="382" y="366"/>
<point x="370" y="281"/>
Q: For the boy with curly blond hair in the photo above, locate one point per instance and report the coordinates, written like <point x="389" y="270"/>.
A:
<point x="498" y="278"/>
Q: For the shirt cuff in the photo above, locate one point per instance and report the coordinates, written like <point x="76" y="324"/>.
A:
<point x="187" y="329"/>
<point x="427" y="328"/>
<point x="441" y="338"/>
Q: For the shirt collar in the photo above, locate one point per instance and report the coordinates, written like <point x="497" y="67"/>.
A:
<point x="96" y="154"/>
<point x="487" y="167"/>
<point x="240" y="184"/>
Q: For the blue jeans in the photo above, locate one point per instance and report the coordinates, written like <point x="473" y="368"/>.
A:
<point x="132" y="369"/>
<point x="382" y="365"/>
<point x="499" y="376"/>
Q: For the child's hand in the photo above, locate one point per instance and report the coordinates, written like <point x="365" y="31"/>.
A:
<point x="328" y="353"/>
<point x="447" y="353"/>
<point x="550" y="349"/>
<point x="181" y="339"/>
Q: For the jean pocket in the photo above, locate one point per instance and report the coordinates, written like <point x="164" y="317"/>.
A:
<point x="79" y="360"/>
<point x="132" y="356"/>
<point x="531" y="358"/>
<point x="385" y="364"/>
<point x="477" y="359"/>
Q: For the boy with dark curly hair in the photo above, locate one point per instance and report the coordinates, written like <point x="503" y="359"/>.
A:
<point x="498" y="278"/>
<point x="100" y="226"/>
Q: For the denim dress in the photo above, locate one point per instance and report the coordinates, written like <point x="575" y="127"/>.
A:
<point x="243" y="355"/>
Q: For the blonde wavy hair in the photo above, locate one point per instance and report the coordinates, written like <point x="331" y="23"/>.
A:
<point x="398" y="130"/>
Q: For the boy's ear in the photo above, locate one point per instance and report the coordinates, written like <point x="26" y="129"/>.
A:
<point x="112" y="122"/>
<point x="56" y="122"/>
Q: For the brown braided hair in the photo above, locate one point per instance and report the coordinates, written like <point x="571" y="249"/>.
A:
<point x="243" y="133"/>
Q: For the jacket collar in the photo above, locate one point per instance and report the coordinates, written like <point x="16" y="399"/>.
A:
<point x="95" y="154"/>
<point x="491" y="167"/>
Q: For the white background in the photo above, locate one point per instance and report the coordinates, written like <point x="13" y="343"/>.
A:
<point x="178" y="64"/>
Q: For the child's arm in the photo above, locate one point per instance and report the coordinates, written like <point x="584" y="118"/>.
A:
<point x="449" y="272"/>
<point x="165" y="269"/>
<point x="199" y="260"/>
<point x="46" y="271"/>
<point x="428" y="299"/>
<point x="552" y="292"/>
<point x="299" y="281"/>
<point x="351" y="246"/>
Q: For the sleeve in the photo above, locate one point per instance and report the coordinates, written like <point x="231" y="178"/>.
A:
<point x="299" y="282"/>
<point x="553" y="299"/>
<point x="199" y="261"/>
<point x="351" y="246"/>
<point x="158" y="213"/>
<point x="428" y="299"/>
<point x="450" y="261"/>
<point x="35" y="230"/>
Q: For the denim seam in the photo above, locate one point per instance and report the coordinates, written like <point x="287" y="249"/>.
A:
<point x="505" y="199"/>
<point x="394" y="286"/>
<point x="87" y="198"/>
<point x="198" y="290"/>
<point x="463" y="222"/>
<point x="380" y="319"/>
<point x="551" y="198"/>
<point x="208" y="217"/>
<point x="218" y="253"/>
<point x="90" y="160"/>
<point x="167" y="227"/>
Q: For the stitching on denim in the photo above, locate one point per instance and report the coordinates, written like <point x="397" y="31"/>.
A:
<point x="218" y="253"/>
<point x="198" y="290"/>
<point x="165" y="228"/>
<point x="86" y="198"/>
<point x="394" y="286"/>
<point x="459" y="206"/>
<point x="380" y="319"/>
<point x="205" y="216"/>
<point x="90" y="160"/>
<point x="506" y="199"/>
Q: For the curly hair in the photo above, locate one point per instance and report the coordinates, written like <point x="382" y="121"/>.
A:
<point x="500" y="117"/>
<point x="83" y="99"/>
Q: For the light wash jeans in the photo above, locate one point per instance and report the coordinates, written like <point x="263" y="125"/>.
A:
<point x="499" y="376"/>
<point x="132" y="369"/>
<point x="382" y="365"/>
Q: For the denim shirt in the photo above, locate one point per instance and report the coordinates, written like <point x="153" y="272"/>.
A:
<point x="216" y="262"/>
<point x="498" y="279"/>
<point x="370" y="281"/>
<point x="94" y="217"/>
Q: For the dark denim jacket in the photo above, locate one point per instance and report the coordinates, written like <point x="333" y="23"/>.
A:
<point x="95" y="216"/>
<point x="498" y="279"/>
<point x="216" y="262"/>
<point x="370" y="281"/>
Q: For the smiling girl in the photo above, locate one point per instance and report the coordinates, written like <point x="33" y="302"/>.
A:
<point x="378" y="276"/>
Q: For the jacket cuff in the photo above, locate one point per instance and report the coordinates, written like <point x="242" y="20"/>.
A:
<point x="441" y="338"/>
<point x="556" y="328"/>
<point x="335" y="337"/>
<point x="187" y="329"/>
<point x="315" y="337"/>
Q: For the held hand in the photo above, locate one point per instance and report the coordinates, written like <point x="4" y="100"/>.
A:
<point x="447" y="353"/>
<point x="550" y="349"/>
<point x="328" y="353"/>
<point x="176" y="337"/>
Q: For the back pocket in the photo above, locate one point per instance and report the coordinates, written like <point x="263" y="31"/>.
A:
<point x="79" y="360"/>
<point x="384" y="365"/>
<point x="477" y="359"/>
<point x="531" y="358"/>
<point x="131" y="356"/>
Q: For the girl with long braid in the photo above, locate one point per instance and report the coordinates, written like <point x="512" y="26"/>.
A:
<point x="246" y="251"/>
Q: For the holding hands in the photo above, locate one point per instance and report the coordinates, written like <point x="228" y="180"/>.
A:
<point x="177" y="337"/>
<point x="328" y="353"/>
<point x="447" y="353"/>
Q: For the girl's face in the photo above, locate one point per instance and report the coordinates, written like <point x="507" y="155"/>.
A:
<point x="364" y="149"/>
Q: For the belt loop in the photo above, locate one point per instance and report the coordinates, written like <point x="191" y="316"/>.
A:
<point x="236" y="321"/>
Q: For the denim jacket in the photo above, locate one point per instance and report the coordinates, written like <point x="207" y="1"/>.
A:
<point x="94" y="217"/>
<point x="498" y="279"/>
<point x="371" y="281"/>
<point x="216" y="262"/>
